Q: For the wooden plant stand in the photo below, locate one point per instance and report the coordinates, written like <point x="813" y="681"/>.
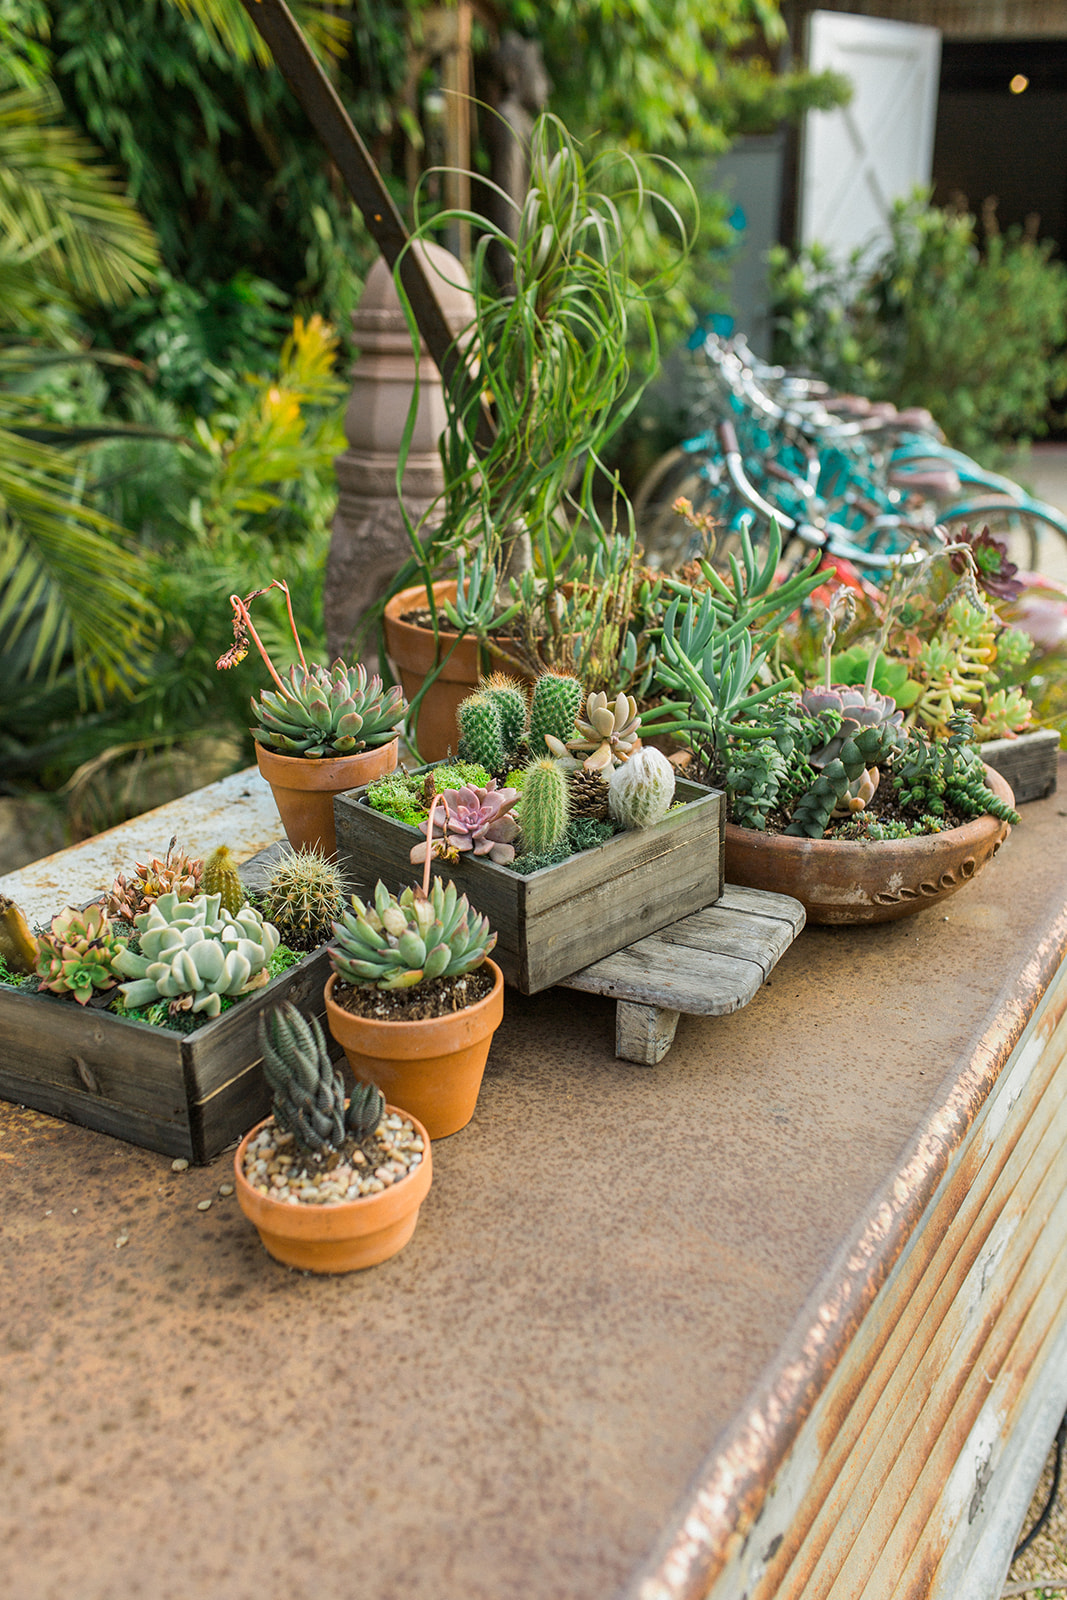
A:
<point x="708" y="964"/>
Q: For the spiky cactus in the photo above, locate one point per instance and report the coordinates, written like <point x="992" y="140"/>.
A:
<point x="79" y="953"/>
<point x="403" y="940"/>
<point x="481" y="736"/>
<point x="193" y="953"/>
<point x="318" y="712"/>
<point x="512" y="703"/>
<point x="641" y="790"/>
<point x="557" y="699"/>
<point x="221" y="877"/>
<point x="303" y="897"/>
<point x="546" y="808"/>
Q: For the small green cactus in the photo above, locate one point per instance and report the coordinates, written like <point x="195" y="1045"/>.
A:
<point x="481" y="737"/>
<point x="303" y="898"/>
<point x="557" y="699"/>
<point x="403" y="940"/>
<point x="221" y="877"/>
<point x="79" y="953"/>
<point x="512" y="704"/>
<point x="641" y="790"/>
<point x="545" y="805"/>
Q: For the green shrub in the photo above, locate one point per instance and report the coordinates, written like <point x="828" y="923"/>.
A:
<point x="931" y="318"/>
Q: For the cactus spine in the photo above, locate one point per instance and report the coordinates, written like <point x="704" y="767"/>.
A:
<point x="222" y="878"/>
<point x="304" y="897"/>
<point x="640" y="792"/>
<point x="557" y="699"/>
<point x="509" y="697"/>
<point x="546" y="808"/>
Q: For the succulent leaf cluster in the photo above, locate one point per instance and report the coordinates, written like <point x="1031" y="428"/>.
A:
<point x="475" y="822"/>
<point x="857" y="708"/>
<point x="641" y="790"/>
<point x="320" y="712"/>
<point x="401" y="940"/>
<point x="308" y="1090"/>
<point x="176" y="874"/>
<point x="193" y="953"/>
<point x="79" y="953"/>
<point x="606" y="734"/>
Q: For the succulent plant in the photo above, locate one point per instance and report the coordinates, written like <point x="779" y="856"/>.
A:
<point x="304" y="895"/>
<point x="403" y="940"/>
<point x="221" y="877"/>
<point x="557" y="699"/>
<point x="641" y="790"/>
<point x="17" y="944"/>
<point x="318" y="712"/>
<point x="193" y="953"/>
<point x="606" y="735"/>
<point x="79" y="953"/>
<point x="546" y="807"/>
<point x="309" y="1092"/>
<point x="476" y="821"/>
<point x="176" y="874"/>
<point x="857" y="708"/>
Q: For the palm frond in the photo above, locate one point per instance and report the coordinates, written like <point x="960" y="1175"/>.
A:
<point x="226" y="22"/>
<point x="61" y="210"/>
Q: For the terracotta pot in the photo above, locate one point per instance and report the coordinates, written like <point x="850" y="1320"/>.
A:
<point x="304" y="788"/>
<point x="433" y="1067"/>
<point x="845" y="881"/>
<point x="342" y="1237"/>
<point x="411" y="650"/>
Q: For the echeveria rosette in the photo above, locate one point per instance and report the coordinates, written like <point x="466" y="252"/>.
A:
<point x="857" y="709"/>
<point x="410" y="938"/>
<point x="477" y="822"/>
<point x="996" y="574"/>
<point x="319" y="712"/>
<point x="193" y="953"/>
<point x="79" y="953"/>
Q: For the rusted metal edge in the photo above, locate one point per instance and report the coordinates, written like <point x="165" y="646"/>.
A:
<point x="321" y="103"/>
<point x="727" y="1494"/>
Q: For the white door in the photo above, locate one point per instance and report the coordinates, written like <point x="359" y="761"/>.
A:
<point x="856" y="161"/>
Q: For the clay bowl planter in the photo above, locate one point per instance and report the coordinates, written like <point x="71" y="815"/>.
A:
<point x="841" y="881"/>
<point x="343" y="1237"/>
<point x="304" y="788"/>
<point x="411" y="650"/>
<point x="432" y="1067"/>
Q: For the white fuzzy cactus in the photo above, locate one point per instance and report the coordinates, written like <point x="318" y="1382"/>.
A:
<point x="640" y="792"/>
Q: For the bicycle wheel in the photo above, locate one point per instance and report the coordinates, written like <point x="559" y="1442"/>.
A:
<point x="1036" y="536"/>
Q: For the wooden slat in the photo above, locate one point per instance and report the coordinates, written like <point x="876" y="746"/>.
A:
<point x="654" y="973"/>
<point x="1028" y="763"/>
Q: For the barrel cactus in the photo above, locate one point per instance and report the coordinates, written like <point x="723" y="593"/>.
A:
<point x="221" y="877"/>
<point x="79" y="953"/>
<point x="402" y="940"/>
<point x="193" y="953"/>
<point x="304" y="895"/>
<point x="641" y="790"/>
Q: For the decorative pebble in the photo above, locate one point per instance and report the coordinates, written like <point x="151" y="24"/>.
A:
<point x="122" y="1239"/>
<point x="225" y="1189"/>
<point x="204" y="1205"/>
<point x="181" y="1165"/>
<point x="273" y="1165"/>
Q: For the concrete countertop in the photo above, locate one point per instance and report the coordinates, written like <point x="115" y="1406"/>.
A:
<point x="624" y="1293"/>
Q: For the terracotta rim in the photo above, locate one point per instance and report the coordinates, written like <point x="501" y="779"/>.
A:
<point x="407" y="1041"/>
<point x="317" y="773"/>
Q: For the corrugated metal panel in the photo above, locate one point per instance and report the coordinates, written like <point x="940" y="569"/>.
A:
<point x="883" y="1494"/>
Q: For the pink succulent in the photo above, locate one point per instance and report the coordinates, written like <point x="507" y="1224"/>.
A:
<point x="476" y="821"/>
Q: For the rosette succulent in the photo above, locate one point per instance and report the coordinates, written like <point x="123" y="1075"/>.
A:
<point x="476" y="822"/>
<point x="314" y="711"/>
<point x="176" y="874"/>
<point x="79" y="953"/>
<point x="194" y="952"/>
<point x="857" y="708"/>
<point x="402" y="940"/>
<point x="606" y="735"/>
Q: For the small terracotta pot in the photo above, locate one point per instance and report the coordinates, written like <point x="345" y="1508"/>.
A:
<point x="411" y="650"/>
<point x="304" y="789"/>
<point x="337" y="1238"/>
<point x="845" y="881"/>
<point x="432" y="1067"/>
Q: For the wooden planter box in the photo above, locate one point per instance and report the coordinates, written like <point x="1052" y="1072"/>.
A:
<point x="552" y="923"/>
<point x="181" y="1094"/>
<point x="1027" y="762"/>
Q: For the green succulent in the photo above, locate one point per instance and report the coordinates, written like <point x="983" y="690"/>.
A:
<point x="403" y="940"/>
<point x="327" y="713"/>
<point x="305" y="893"/>
<point x="79" y="953"/>
<point x="309" y="1091"/>
<point x="193" y="953"/>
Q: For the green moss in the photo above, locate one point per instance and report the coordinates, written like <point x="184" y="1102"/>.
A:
<point x="399" y="795"/>
<point x="458" y="774"/>
<point x="582" y="834"/>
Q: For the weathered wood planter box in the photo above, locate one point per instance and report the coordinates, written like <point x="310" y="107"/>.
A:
<point x="556" y="921"/>
<point x="1028" y="762"/>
